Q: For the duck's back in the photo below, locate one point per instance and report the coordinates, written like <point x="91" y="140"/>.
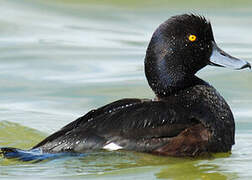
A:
<point x="193" y="121"/>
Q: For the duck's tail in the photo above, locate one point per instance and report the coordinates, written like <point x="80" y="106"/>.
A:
<point x="29" y="155"/>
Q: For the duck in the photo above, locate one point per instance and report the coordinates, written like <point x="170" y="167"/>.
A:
<point x="187" y="116"/>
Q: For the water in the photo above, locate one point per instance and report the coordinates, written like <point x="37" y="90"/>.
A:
<point x="59" y="59"/>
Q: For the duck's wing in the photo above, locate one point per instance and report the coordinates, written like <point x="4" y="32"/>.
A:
<point x="132" y="124"/>
<point x="87" y="118"/>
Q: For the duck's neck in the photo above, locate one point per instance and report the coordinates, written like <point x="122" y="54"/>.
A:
<point x="167" y="79"/>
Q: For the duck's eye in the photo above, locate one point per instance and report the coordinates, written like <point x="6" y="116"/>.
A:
<point x="192" y="38"/>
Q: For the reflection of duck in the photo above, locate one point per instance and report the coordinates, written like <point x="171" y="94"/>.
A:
<point x="188" y="116"/>
<point x="194" y="169"/>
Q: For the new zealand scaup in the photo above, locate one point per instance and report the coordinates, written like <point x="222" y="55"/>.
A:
<point x="188" y="117"/>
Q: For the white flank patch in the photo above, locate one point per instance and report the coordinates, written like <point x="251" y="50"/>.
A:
<point x="112" y="147"/>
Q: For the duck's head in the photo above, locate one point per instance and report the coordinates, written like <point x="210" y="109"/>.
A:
<point x="180" y="47"/>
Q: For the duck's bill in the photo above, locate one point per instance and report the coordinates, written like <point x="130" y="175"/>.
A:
<point x="223" y="59"/>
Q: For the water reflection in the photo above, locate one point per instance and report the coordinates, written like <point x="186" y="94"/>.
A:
<point x="194" y="170"/>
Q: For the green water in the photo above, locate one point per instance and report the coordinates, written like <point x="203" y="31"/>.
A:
<point x="61" y="58"/>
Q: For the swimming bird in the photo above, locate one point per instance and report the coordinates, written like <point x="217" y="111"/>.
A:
<point x="187" y="117"/>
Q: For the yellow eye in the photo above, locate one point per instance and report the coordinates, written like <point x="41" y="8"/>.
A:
<point x="192" y="38"/>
